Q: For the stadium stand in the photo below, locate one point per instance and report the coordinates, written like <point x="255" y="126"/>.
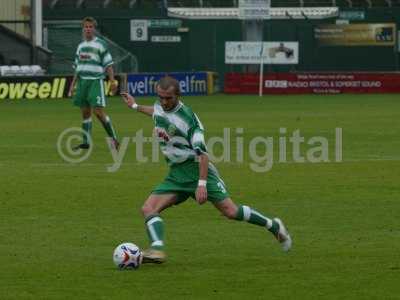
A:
<point x="63" y="38"/>
<point x="17" y="49"/>
<point x="108" y="4"/>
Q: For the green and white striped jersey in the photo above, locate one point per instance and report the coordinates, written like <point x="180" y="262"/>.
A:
<point x="180" y="133"/>
<point x="91" y="59"/>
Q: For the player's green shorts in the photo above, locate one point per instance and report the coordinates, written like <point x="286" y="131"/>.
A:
<point x="183" y="178"/>
<point x="90" y="93"/>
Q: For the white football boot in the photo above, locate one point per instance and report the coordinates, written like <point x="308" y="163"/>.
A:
<point x="154" y="256"/>
<point x="283" y="236"/>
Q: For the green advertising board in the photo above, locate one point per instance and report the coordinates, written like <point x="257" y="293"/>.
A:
<point x="352" y="15"/>
<point x="165" y="23"/>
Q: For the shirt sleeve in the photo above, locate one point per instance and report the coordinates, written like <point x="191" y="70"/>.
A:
<point x="76" y="60"/>
<point x="106" y="58"/>
<point x="197" y="137"/>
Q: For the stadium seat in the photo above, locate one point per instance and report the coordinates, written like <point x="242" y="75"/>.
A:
<point x="21" y="70"/>
<point x="37" y="70"/>
<point x="15" y="70"/>
<point x="5" y="70"/>
<point x="26" y="71"/>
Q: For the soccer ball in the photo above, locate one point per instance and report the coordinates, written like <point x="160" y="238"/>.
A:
<point x="127" y="256"/>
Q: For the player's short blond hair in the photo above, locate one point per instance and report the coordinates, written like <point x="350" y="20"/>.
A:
<point x="90" y="20"/>
<point x="167" y="81"/>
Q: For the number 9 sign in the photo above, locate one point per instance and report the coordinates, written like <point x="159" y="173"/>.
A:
<point x="139" y="30"/>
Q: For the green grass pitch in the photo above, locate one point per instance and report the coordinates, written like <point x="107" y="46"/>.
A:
<point x="60" y="222"/>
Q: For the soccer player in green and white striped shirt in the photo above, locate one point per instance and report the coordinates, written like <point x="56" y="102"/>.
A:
<point x="181" y="136"/>
<point x="92" y="61"/>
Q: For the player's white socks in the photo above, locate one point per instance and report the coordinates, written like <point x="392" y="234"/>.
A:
<point x="108" y="127"/>
<point x="155" y="231"/>
<point x="246" y="213"/>
<point x="87" y="129"/>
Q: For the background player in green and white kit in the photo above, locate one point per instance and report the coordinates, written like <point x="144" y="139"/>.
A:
<point x="182" y="142"/>
<point x="92" y="60"/>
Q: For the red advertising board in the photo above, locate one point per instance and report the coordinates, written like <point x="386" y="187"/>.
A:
<point x="313" y="83"/>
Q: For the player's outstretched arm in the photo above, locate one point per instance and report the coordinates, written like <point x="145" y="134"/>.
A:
<point x="131" y="102"/>
<point x="201" y="191"/>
